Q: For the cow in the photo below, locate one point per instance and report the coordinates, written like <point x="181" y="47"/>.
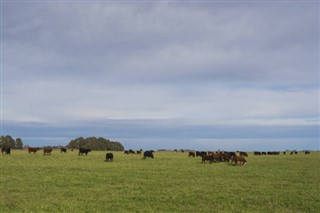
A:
<point x="131" y="151"/>
<point x="63" y="150"/>
<point x="47" y="151"/>
<point x="307" y="152"/>
<point x="200" y="154"/>
<point x="126" y="152"/>
<point x="33" y="149"/>
<point x="84" y="151"/>
<point x="244" y="154"/>
<point x="138" y="152"/>
<point x="207" y="158"/>
<point x="232" y="154"/>
<point x="6" y="150"/>
<point x="148" y="154"/>
<point x="191" y="154"/>
<point x="109" y="157"/>
<point x="225" y="157"/>
<point x="257" y="153"/>
<point x="240" y="159"/>
<point x="293" y="152"/>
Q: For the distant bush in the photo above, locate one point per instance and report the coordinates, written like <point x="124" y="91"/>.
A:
<point x="95" y="144"/>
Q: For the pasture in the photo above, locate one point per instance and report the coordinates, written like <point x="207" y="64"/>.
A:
<point x="171" y="182"/>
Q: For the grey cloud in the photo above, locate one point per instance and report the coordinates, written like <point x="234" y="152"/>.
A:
<point x="139" y="59"/>
<point x="165" y="43"/>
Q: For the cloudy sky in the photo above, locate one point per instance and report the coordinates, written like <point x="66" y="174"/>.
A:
<point x="180" y="74"/>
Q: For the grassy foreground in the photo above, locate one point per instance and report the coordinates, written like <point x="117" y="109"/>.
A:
<point x="171" y="182"/>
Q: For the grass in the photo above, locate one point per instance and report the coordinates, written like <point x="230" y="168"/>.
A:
<point x="171" y="182"/>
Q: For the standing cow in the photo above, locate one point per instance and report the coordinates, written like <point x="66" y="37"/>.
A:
<point x="238" y="159"/>
<point x="33" y="149"/>
<point x="47" y="151"/>
<point x="191" y="154"/>
<point x="109" y="157"/>
<point x="6" y="150"/>
<point x="148" y="154"/>
<point x="84" y="151"/>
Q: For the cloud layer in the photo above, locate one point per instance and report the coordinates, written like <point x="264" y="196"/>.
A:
<point x="206" y="64"/>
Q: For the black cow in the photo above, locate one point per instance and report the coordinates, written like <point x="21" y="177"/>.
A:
<point x="307" y="152"/>
<point x="148" y="154"/>
<point x="7" y="150"/>
<point x="84" y="151"/>
<point x="232" y="154"/>
<point x="63" y="150"/>
<point x="244" y="154"/>
<point x="109" y="157"/>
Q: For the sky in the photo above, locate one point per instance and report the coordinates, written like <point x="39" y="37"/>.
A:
<point x="236" y="75"/>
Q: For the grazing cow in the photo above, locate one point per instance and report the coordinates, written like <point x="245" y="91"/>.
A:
<point x="207" y="158"/>
<point x="126" y="152"/>
<point x="257" y="153"/>
<point x="84" y="151"/>
<point x="263" y="153"/>
<point x="307" y="152"/>
<point x="244" y="154"/>
<point x="131" y="151"/>
<point x="148" y="154"/>
<point x="191" y="154"/>
<point x="239" y="159"/>
<point x="6" y="150"/>
<point x="33" y="149"/>
<point x="47" y="151"/>
<point x="138" y="152"/>
<point x="109" y="157"/>
<point x="63" y="150"/>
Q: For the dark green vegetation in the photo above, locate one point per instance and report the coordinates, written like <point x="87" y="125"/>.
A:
<point x="95" y="144"/>
<point x="8" y="141"/>
<point x="171" y="182"/>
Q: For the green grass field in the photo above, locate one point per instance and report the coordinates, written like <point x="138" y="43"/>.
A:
<point x="171" y="182"/>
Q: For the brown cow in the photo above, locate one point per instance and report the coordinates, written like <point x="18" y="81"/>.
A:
<point x="191" y="154"/>
<point x="207" y="158"/>
<point x="47" y="151"/>
<point x="33" y="149"/>
<point x="239" y="159"/>
<point x="6" y="150"/>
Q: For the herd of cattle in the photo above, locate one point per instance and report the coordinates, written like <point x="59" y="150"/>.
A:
<point x="211" y="157"/>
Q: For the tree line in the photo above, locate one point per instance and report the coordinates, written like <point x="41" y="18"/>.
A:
<point x="95" y="144"/>
<point x="9" y="142"/>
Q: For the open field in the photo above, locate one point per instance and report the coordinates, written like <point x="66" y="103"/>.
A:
<point x="171" y="182"/>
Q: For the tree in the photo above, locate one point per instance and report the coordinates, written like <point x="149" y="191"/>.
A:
<point x="95" y="144"/>
<point x="7" y="141"/>
<point x="19" y="144"/>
